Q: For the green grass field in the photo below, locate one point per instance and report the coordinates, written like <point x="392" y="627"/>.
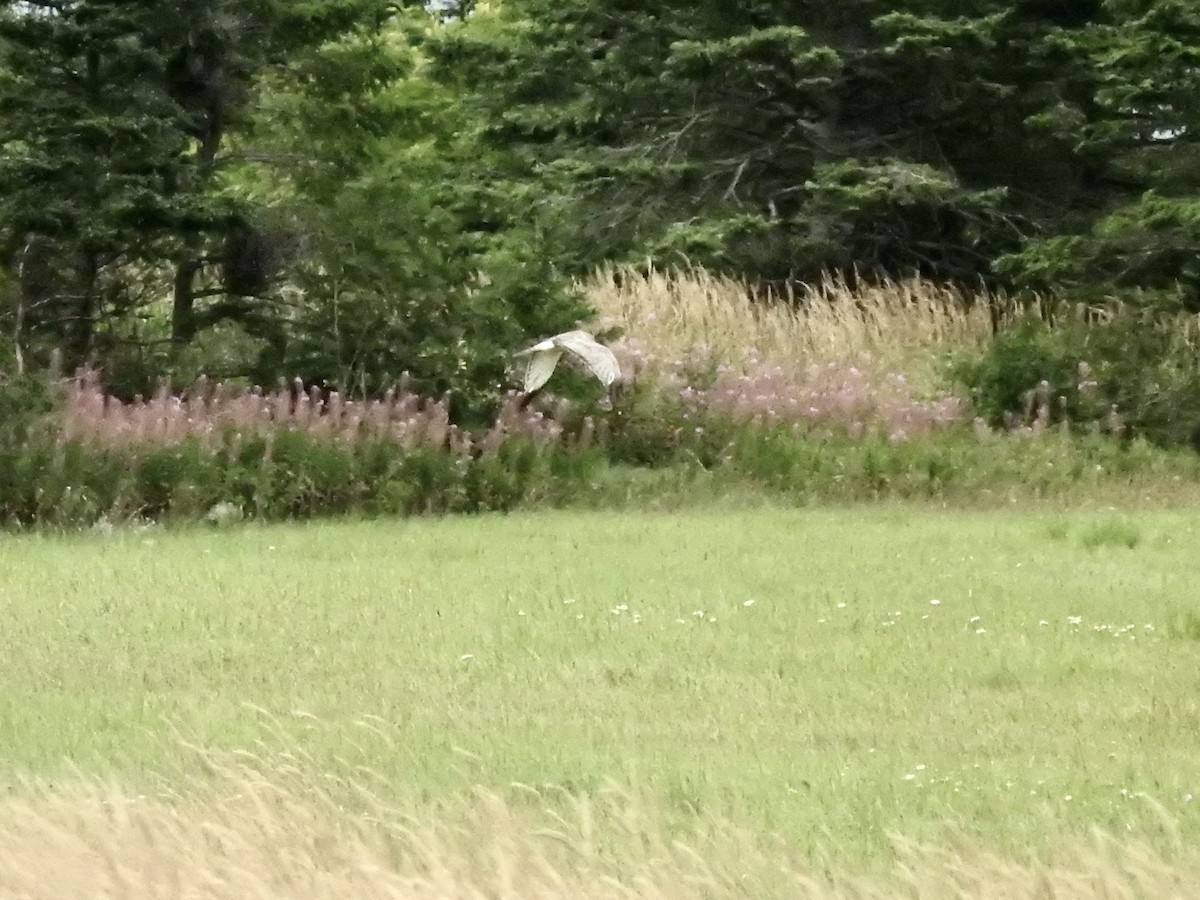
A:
<point x="834" y="676"/>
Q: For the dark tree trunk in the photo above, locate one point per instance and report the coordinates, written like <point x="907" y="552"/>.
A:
<point x="81" y="326"/>
<point x="183" y="313"/>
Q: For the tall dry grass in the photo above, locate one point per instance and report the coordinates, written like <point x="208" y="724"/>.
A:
<point x="278" y="830"/>
<point x="897" y="325"/>
<point x="856" y="361"/>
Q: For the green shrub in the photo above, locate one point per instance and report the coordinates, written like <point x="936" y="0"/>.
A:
<point x="952" y="465"/>
<point x="24" y="401"/>
<point x="1135" y="373"/>
<point x="1030" y="364"/>
<point x="651" y="451"/>
<point x="644" y="429"/>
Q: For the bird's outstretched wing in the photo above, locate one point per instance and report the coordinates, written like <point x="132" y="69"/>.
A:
<point x="598" y="358"/>
<point x="541" y="367"/>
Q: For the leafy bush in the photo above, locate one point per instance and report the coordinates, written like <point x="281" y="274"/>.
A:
<point x="1026" y="363"/>
<point x="24" y="400"/>
<point x="1134" y="373"/>
<point x="294" y="473"/>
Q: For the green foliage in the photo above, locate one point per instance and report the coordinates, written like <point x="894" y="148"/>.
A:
<point x="648" y="451"/>
<point x="414" y="268"/>
<point x="1134" y="373"/>
<point x="118" y="121"/>
<point x="359" y="192"/>
<point x="91" y="160"/>
<point x="1147" y="246"/>
<point x="1028" y="365"/>
<point x="900" y="217"/>
<point x="24" y="402"/>
<point x="287" y="474"/>
<point x="302" y="187"/>
<point x="781" y="141"/>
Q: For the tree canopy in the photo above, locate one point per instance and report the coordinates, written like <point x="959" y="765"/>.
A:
<point x="347" y="190"/>
<point x="1014" y="143"/>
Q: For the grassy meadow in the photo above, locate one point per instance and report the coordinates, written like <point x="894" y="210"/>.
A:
<point x="686" y="665"/>
<point x="830" y="678"/>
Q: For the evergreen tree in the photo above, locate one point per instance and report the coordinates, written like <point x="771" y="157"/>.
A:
<point x="961" y="140"/>
<point x="92" y="159"/>
<point x="116" y="115"/>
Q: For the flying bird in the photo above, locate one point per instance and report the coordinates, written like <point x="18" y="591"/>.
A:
<point x="544" y="357"/>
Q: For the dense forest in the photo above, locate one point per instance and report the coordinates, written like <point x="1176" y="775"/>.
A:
<point x="345" y="190"/>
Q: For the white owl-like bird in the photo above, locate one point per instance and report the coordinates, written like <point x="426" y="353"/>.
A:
<point x="544" y="357"/>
